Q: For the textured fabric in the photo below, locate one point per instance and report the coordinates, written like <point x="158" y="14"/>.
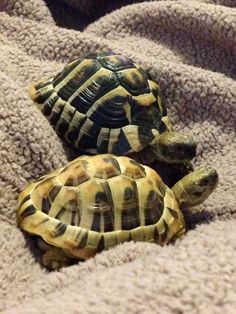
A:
<point x="189" y="47"/>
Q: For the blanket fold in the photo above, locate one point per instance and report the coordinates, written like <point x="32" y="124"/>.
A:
<point x="189" y="47"/>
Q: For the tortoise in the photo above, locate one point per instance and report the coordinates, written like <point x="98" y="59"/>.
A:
<point x="96" y="202"/>
<point x="106" y="103"/>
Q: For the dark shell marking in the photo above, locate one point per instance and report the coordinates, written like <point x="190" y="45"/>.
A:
<point x="108" y="200"/>
<point x="103" y="103"/>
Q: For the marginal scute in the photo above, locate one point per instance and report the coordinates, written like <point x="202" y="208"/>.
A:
<point x="46" y="205"/>
<point x="156" y="235"/>
<point x="164" y="235"/>
<point x="56" y="112"/>
<point x="101" y="244"/>
<point x="49" y="104"/>
<point x="60" y="229"/>
<point x="83" y="239"/>
<point x="24" y="200"/>
<point x="173" y="212"/>
<point x="28" y="211"/>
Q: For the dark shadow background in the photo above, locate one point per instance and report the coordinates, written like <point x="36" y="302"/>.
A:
<point x="77" y="14"/>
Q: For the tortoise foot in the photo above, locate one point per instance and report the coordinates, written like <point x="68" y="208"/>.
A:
<point x="56" y="258"/>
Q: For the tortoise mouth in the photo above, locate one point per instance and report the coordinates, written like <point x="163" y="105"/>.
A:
<point x="176" y="153"/>
<point x="175" y="147"/>
<point x="180" y="153"/>
<point x="210" y="179"/>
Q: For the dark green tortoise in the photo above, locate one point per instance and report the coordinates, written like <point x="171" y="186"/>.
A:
<point x="97" y="202"/>
<point x="105" y="103"/>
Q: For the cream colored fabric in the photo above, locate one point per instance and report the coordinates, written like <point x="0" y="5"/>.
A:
<point x="189" y="47"/>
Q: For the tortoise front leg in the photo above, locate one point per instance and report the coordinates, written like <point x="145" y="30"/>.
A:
<point x="55" y="258"/>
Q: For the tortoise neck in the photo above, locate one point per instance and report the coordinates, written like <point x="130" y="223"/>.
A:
<point x="181" y="195"/>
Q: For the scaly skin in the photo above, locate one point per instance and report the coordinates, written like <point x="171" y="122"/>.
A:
<point x="195" y="187"/>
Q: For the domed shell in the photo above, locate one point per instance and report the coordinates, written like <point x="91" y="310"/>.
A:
<point x="94" y="203"/>
<point x="104" y="103"/>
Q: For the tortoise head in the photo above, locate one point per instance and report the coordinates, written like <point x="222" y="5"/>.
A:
<point x="174" y="147"/>
<point x="195" y="187"/>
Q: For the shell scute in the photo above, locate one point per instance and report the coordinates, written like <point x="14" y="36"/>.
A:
<point x="125" y="202"/>
<point x="95" y="206"/>
<point x="116" y="62"/>
<point x="63" y="205"/>
<point x="70" y="82"/>
<point x="105" y="167"/>
<point x="132" y="169"/>
<point x="153" y="207"/>
<point x="74" y="175"/>
<point x="69" y="67"/>
<point x="109" y="110"/>
<point x="94" y="88"/>
<point x="134" y="80"/>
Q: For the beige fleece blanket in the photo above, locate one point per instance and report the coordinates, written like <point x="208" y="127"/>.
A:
<point x="190" y="48"/>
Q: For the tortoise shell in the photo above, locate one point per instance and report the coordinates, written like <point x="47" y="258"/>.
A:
<point x="104" y="103"/>
<point x="96" y="202"/>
